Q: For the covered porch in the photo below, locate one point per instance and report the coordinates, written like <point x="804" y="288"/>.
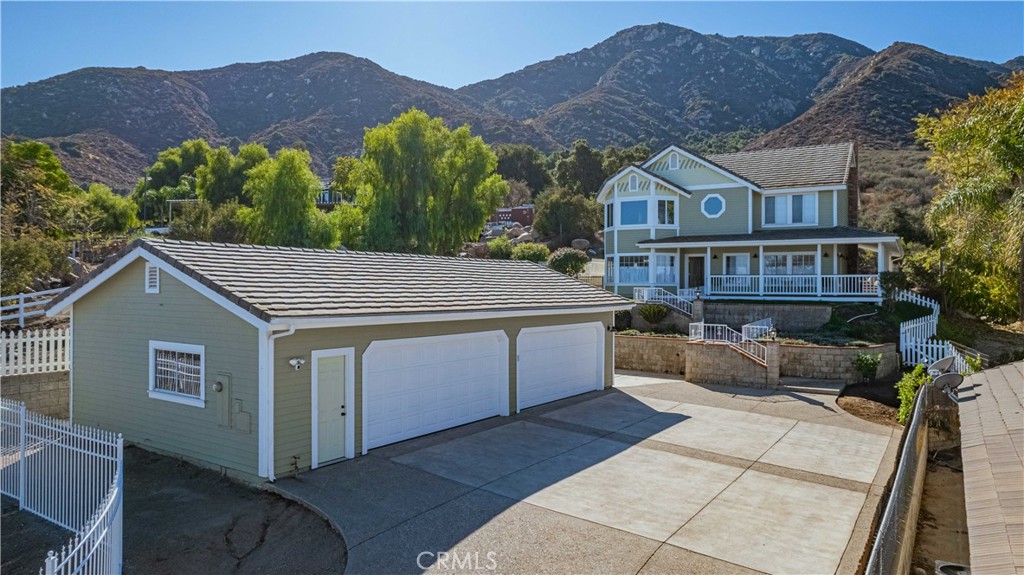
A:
<point x="764" y="266"/>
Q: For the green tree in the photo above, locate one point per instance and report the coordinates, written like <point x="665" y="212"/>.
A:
<point x="228" y="223"/>
<point x="114" y="214"/>
<point x="283" y="192"/>
<point x="37" y="193"/>
<point x="192" y="222"/>
<point x="30" y="257"/>
<point x="518" y="193"/>
<point x="580" y="170"/>
<point x="342" y="182"/>
<point x="614" y="159"/>
<point x="566" y="216"/>
<point x="425" y="188"/>
<point x="977" y="215"/>
<point x="350" y="221"/>
<point x="524" y="163"/>
<point x="222" y="178"/>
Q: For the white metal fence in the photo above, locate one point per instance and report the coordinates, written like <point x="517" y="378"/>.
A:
<point x="71" y="475"/>
<point x="25" y="305"/>
<point x="721" y="333"/>
<point x="35" y="351"/>
<point x="659" y="295"/>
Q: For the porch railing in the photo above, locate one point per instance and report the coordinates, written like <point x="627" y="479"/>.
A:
<point x="721" y="333"/>
<point x="795" y="285"/>
<point x="658" y="295"/>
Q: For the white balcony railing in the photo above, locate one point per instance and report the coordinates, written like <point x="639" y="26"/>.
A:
<point x="795" y="285"/>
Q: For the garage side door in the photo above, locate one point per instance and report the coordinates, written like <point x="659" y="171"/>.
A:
<point x="557" y="362"/>
<point x="416" y="386"/>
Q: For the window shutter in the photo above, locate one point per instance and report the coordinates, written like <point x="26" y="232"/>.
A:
<point x="152" y="279"/>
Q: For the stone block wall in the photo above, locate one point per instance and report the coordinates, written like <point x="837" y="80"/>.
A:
<point x="674" y="320"/>
<point x="650" y="354"/>
<point x="718" y="363"/>
<point x="786" y="317"/>
<point x="834" y="363"/>
<point x="46" y="393"/>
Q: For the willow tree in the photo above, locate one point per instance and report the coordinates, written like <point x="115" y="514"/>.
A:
<point x="425" y="188"/>
<point x="283" y="191"/>
<point x="978" y="213"/>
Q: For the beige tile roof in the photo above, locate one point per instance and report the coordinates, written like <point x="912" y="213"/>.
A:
<point x="276" y="282"/>
<point x="791" y="167"/>
<point x="992" y="446"/>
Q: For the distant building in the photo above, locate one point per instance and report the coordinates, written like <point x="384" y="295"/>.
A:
<point x="522" y="214"/>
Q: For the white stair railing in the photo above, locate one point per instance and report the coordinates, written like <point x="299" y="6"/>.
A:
<point x="680" y="303"/>
<point x="721" y="333"/>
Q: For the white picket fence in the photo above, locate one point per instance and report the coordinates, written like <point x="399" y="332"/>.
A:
<point x="71" y="475"/>
<point x="918" y="344"/>
<point x="25" y="305"/>
<point x="35" y="351"/>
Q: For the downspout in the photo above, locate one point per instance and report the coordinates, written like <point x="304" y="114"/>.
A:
<point x="270" y="399"/>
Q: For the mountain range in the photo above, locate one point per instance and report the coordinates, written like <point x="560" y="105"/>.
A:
<point x="656" y="83"/>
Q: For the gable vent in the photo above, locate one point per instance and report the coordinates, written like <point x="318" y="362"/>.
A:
<point x="152" y="279"/>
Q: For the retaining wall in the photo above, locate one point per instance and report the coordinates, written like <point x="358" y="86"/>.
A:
<point x="718" y="363"/>
<point x="651" y="354"/>
<point x="834" y="363"/>
<point x="46" y="393"/>
<point x="786" y="317"/>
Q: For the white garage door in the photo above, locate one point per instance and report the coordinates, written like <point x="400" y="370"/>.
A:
<point x="559" y="361"/>
<point x="416" y="386"/>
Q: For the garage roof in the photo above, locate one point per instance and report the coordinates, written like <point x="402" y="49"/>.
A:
<point x="280" y="282"/>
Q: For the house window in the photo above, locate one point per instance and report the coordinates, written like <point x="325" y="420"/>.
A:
<point x="737" y="264"/>
<point x="152" y="278"/>
<point x="609" y="215"/>
<point x="664" y="269"/>
<point x="633" y="270"/>
<point x="667" y="212"/>
<point x="634" y="183"/>
<point x="673" y="161"/>
<point x="776" y="264"/>
<point x="712" y="206"/>
<point x="633" y="213"/>
<point x="176" y="372"/>
<point x="789" y="264"/>
<point x="802" y="264"/>
<point x="792" y="209"/>
<point x="609" y="270"/>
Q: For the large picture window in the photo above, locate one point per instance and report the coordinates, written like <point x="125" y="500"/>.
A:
<point x="792" y="209"/>
<point x="789" y="264"/>
<point x="633" y="213"/>
<point x="176" y="372"/>
<point x="633" y="270"/>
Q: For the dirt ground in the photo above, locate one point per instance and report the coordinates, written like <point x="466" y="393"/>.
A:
<point x="875" y="402"/>
<point x="183" y="519"/>
<point x="942" y="522"/>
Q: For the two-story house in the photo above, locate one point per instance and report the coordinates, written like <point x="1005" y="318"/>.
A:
<point x="769" y="225"/>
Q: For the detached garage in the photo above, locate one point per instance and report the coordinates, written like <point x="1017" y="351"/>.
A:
<point x="264" y="361"/>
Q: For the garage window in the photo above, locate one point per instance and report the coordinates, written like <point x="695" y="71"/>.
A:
<point x="176" y="372"/>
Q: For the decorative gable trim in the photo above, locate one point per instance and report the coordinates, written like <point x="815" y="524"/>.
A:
<point x="704" y="162"/>
<point x="640" y="172"/>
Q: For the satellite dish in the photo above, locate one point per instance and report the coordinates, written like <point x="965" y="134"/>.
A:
<point x="942" y="366"/>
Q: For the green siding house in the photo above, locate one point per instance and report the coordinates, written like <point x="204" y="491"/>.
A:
<point x="768" y="225"/>
<point x="263" y="361"/>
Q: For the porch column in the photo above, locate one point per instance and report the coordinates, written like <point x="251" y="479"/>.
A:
<point x="881" y="265"/>
<point x="651" y="269"/>
<point x="817" y="268"/>
<point x="707" y="272"/>
<point x="835" y="259"/>
<point x="680" y="270"/>
<point x="760" y="270"/>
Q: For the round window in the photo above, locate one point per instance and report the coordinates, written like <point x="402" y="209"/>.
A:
<point x="713" y="205"/>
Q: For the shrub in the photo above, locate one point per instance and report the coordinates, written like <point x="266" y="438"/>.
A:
<point x="537" y="253"/>
<point x="630" y="332"/>
<point x="569" y="261"/>
<point x="652" y="312"/>
<point x="192" y="222"/>
<point x="30" y="257"/>
<point x="623" y="319"/>
<point x="906" y="389"/>
<point x="867" y="364"/>
<point x="500" y="248"/>
<point x="892" y="282"/>
<point x="226" y="223"/>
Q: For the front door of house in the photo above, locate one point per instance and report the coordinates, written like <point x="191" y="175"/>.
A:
<point x="330" y="373"/>
<point x="694" y="271"/>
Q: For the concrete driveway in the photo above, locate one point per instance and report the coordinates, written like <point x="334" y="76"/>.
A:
<point x="654" y="476"/>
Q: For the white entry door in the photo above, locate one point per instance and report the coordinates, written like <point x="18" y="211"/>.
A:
<point x="331" y="391"/>
<point x="416" y="386"/>
<point x="558" y="361"/>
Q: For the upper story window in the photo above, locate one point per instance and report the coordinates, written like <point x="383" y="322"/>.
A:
<point x="673" y="161"/>
<point x="667" y="212"/>
<point x="712" y="206"/>
<point x="152" y="278"/>
<point x="791" y="209"/>
<point x="634" y="182"/>
<point x="609" y="214"/>
<point x="633" y="213"/>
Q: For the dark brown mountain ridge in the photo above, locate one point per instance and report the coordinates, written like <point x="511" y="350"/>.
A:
<point x="655" y="83"/>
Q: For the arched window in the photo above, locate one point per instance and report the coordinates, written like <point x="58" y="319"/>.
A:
<point x="634" y="183"/>
<point x="673" y="161"/>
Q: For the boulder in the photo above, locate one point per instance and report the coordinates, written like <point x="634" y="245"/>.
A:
<point x="580" y="244"/>
<point x="523" y="239"/>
